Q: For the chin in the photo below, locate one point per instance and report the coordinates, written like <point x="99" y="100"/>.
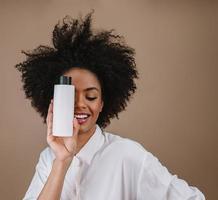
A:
<point x="84" y="129"/>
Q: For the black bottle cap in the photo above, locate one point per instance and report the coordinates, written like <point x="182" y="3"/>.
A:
<point x="65" y="80"/>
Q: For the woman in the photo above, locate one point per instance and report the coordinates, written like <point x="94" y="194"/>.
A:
<point x="92" y="164"/>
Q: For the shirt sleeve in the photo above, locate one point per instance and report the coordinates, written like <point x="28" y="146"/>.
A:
<point x="156" y="183"/>
<point x="42" y="171"/>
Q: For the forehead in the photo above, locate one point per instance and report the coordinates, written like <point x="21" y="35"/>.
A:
<point x="83" y="78"/>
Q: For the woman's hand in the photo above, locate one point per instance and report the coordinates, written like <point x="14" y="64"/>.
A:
<point x="63" y="147"/>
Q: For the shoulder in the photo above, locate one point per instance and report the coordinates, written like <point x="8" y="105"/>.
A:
<point x="124" y="148"/>
<point x="125" y="144"/>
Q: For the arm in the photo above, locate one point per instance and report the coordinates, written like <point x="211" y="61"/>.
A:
<point x="53" y="187"/>
<point x="54" y="161"/>
<point x="156" y="182"/>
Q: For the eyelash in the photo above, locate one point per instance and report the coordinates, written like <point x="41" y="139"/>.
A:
<point x="91" y="98"/>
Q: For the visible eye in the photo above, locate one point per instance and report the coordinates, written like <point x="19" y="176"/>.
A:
<point x="91" y="98"/>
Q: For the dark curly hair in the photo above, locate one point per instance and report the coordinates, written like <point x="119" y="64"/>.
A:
<point x="76" y="45"/>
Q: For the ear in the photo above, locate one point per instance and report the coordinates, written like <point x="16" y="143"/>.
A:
<point x="102" y="105"/>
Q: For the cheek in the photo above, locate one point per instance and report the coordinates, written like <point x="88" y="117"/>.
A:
<point x="96" y="108"/>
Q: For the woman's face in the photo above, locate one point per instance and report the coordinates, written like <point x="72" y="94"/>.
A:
<point x="88" y="98"/>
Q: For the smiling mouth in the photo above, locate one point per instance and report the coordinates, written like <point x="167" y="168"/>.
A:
<point x="81" y="118"/>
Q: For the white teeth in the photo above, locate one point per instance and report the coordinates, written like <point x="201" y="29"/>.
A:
<point x="81" y="116"/>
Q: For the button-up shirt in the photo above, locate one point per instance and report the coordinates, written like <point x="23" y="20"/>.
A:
<point x="110" y="167"/>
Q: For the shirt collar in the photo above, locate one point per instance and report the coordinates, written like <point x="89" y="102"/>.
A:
<point x="88" y="151"/>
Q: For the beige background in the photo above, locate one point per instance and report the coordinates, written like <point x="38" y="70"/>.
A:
<point x="174" y="113"/>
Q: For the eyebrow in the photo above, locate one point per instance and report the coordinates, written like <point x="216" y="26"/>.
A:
<point x="91" y="88"/>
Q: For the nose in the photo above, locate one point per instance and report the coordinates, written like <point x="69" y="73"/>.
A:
<point x="79" y="101"/>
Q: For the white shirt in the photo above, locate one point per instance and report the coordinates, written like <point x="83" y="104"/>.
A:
<point x="110" y="167"/>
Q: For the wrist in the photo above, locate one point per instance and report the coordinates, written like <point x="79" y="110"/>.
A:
<point x="62" y="164"/>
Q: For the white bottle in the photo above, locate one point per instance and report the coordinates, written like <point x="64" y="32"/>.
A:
<point x="63" y="107"/>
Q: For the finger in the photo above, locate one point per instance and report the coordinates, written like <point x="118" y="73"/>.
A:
<point x="51" y="106"/>
<point x="71" y="142"/>
<point x="50" y="137"/>
<point x="76" y="127"/>
<point x="50" y="110"/>
<point x="50" y="115"/>
<point x="49" y="124"/>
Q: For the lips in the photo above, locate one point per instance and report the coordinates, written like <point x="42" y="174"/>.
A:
<point x="82" y="117"/>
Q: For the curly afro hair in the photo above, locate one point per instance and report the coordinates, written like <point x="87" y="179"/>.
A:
<point x="76" y="45"/>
